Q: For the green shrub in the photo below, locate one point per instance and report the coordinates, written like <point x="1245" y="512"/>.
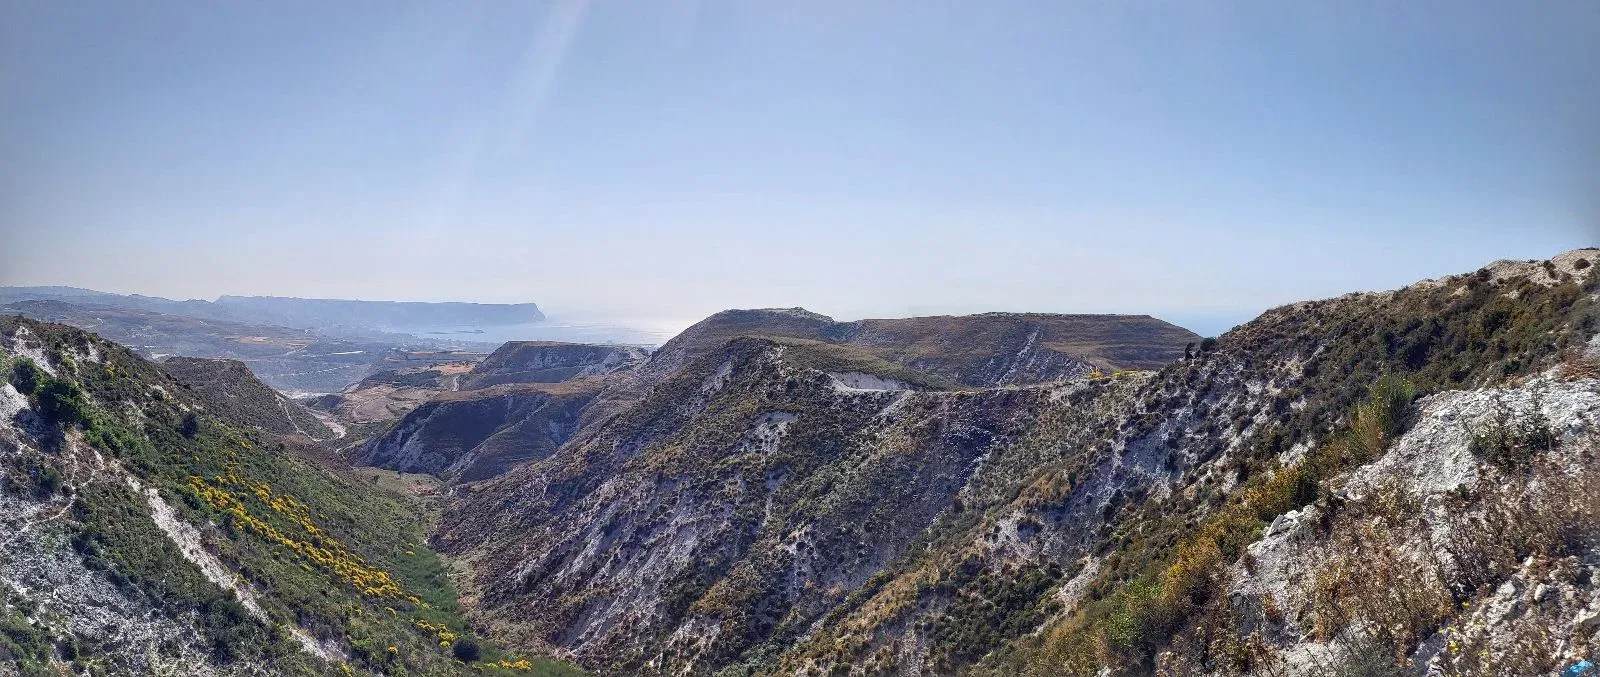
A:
<point x="27" y="377"/>
<point x="62" y="403"/>
<point x="190" y="426"/>
<point x="49" y="482"/>
<point x="466" y="650"/>
<point x="1376" y="422"/>
<point x="157" y="439"/>
<point x="21" y="642"/>
<point x="1510" y="442"/>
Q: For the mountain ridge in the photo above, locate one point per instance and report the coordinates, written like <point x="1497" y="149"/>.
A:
<point x="925" y="353"/>
<point x="974" y="350"/>
<point x="747" y="515"/>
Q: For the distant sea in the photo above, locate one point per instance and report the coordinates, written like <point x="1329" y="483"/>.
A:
<point x="618" y="331"/>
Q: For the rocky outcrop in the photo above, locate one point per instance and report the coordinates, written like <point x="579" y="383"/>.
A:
<point x="938" y="352"/>
<point x="1489" y="566"/>
<point x="517" y="405"/>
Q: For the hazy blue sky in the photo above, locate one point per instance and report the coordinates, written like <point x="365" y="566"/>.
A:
<point x="1197" y="160"/>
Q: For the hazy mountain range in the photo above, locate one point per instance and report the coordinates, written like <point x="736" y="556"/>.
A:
<point x="326" y="315"/>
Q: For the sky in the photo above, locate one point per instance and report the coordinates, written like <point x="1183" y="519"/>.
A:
<point x="664" y="160"/>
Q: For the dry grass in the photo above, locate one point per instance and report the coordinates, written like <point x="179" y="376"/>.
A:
<point x="1527" y="647"/>
<point x="1379" y="583"/>
<point x="1396" y="595"/>
<point x="1548" y="513"/>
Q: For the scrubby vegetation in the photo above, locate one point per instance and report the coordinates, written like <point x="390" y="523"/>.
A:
<point x="115" y="537"/>
<point x="228" y="389"/>
<point x="1539" y="522"/>
<point x="1380" y="593"/>
<point x="341" y="562"/>
<point x="59" y="401"/>
<point x="973" y="350"/>
<point x="1445" y="336"/>
<point x="1335" y="374"/>
<point x="1150" y="593"/>
<point x="1512" y="440"/>
<point x="22" y="644"/>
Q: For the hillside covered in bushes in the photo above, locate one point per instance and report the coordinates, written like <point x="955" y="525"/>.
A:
<point x="144" y="530"/>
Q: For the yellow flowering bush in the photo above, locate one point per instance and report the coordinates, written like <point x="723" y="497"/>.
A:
<point x="320" y="548"/>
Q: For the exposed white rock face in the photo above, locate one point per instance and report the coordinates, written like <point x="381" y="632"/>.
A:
<point x="39" y="566"/>
<point x="1433" y="456"/>
<point x="188" y="540"/>
<point x="23" y="343"/>
<point x="11" y="402"/>
<point x="823" y="568"/>
<point x="1550" y="605"/>
<point x="647" y="530"/>
<point x="717" y="379"/>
